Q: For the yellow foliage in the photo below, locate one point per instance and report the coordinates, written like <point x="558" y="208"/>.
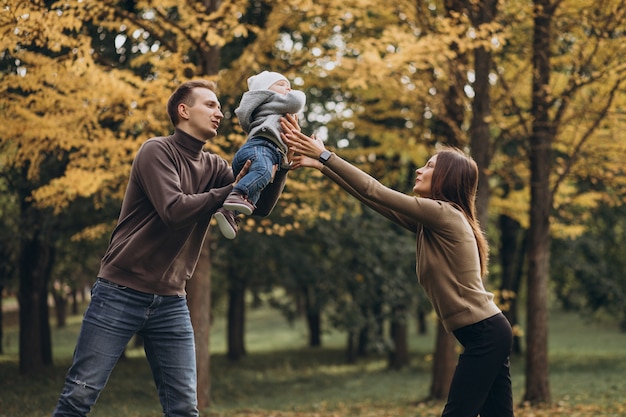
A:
<point x="386" y="63"/>
<point x="93" y="232"/>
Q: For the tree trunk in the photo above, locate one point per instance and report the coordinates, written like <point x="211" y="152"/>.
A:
<point x="454" y="115"/>
<point x="512" y="255"/>
<point x="313" y="318"/>
<point x="1" y="320"/>
<point x="480" y="138"/>
<point x="314" y="323"/>
<point x="444" y="363"/>
<point x="60" y="307"/>
<point x="74" y="301"/>
<point x="351" y="348"/>
<point x="399" y="355"/>
<point x="537" y="387"/>
<point x="35" y="341"/>
<point x="236" y="320"/>
<point x="209" y="65"/>
<point x="362" y="342"/>
<point x="199" y="300"/>
<point x="422" y="328"/>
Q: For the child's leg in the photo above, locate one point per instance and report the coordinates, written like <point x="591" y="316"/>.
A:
<point x="263" y="156"/>
<point x="241" y="156"/>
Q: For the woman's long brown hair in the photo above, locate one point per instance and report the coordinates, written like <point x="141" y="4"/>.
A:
<point x="455" y="180"/>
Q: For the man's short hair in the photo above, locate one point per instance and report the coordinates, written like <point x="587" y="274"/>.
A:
<point x="184" y="94"/>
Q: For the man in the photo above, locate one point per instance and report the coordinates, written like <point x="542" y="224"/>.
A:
<point x="174" y="189"/>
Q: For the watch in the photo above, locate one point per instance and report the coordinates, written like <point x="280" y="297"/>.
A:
<point x="324" y="156"/>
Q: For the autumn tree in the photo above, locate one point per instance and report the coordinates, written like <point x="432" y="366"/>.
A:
<point x="540" y="153"/>
<point x="58" y="145"/>
<point x="576" y="80"/>
<point x="52" y="51"/>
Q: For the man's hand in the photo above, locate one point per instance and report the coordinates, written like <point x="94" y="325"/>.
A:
<point x="243" y="171"/>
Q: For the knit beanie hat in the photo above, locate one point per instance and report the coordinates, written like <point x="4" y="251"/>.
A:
<point x="264" y="80"/>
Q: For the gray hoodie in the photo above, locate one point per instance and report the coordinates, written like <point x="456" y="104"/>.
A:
<point x="260" y="110"/>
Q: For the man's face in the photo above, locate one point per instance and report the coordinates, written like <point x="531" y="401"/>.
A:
<point x="204" y="116"/>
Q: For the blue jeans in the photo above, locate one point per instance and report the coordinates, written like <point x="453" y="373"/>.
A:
<point x="264" y="155"/>
<point x="115" y="314"/>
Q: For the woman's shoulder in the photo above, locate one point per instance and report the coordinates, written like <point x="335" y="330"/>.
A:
<point x="439" y="206"/>
<point x="443" y="216"/>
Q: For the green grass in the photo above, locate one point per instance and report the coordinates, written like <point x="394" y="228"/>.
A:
<point x="280" y="376"/>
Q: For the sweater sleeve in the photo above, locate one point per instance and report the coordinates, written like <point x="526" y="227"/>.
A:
<point x="156" y="170"/>
<point x="221" y="185"/>
<point x="404" y="210"/>
<point x="292" y="102"/>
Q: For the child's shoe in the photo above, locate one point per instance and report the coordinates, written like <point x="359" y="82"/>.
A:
<point x="227" y="222"/>
<point x="238" y="202"/>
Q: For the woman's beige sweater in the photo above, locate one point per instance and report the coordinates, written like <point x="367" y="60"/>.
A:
<point x="447" y="260"/>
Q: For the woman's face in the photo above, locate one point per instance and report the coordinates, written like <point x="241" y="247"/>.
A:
<point x="423" y="178"/>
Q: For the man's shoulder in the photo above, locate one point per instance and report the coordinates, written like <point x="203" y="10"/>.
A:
<point x="156" y="140"/>
<point x="153" y="143"/>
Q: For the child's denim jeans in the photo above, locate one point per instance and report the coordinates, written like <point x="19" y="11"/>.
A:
<point x="264" y="155"/>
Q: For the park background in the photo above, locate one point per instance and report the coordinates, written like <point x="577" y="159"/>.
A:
<point x="534" y="90"/>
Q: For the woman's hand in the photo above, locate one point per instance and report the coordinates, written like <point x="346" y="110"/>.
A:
<point x="301" y="161"/>
<point x="292" y="120"/>
<point x="298" y="142"/>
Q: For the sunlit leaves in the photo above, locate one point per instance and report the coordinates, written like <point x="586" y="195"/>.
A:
<point x="387" y="68"/>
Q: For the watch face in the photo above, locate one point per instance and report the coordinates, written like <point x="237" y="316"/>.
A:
<point x="324" y="156"/>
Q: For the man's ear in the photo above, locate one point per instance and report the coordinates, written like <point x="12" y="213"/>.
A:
<point x="183" y="112"/>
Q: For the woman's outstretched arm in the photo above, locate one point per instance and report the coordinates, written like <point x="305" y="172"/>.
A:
<point x="306" y="154"/>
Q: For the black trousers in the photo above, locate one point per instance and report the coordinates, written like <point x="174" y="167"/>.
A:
<point x="481" y="384"/>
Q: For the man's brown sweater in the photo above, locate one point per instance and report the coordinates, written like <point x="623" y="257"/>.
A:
<point x="173" y="190"/>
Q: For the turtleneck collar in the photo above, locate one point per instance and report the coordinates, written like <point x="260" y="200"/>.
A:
<point x="188" y="143"/>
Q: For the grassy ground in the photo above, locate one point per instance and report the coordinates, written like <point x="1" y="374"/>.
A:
<point x="281" y="377"/>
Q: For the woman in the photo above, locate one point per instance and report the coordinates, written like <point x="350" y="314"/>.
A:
<point x="452" y="256"/>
